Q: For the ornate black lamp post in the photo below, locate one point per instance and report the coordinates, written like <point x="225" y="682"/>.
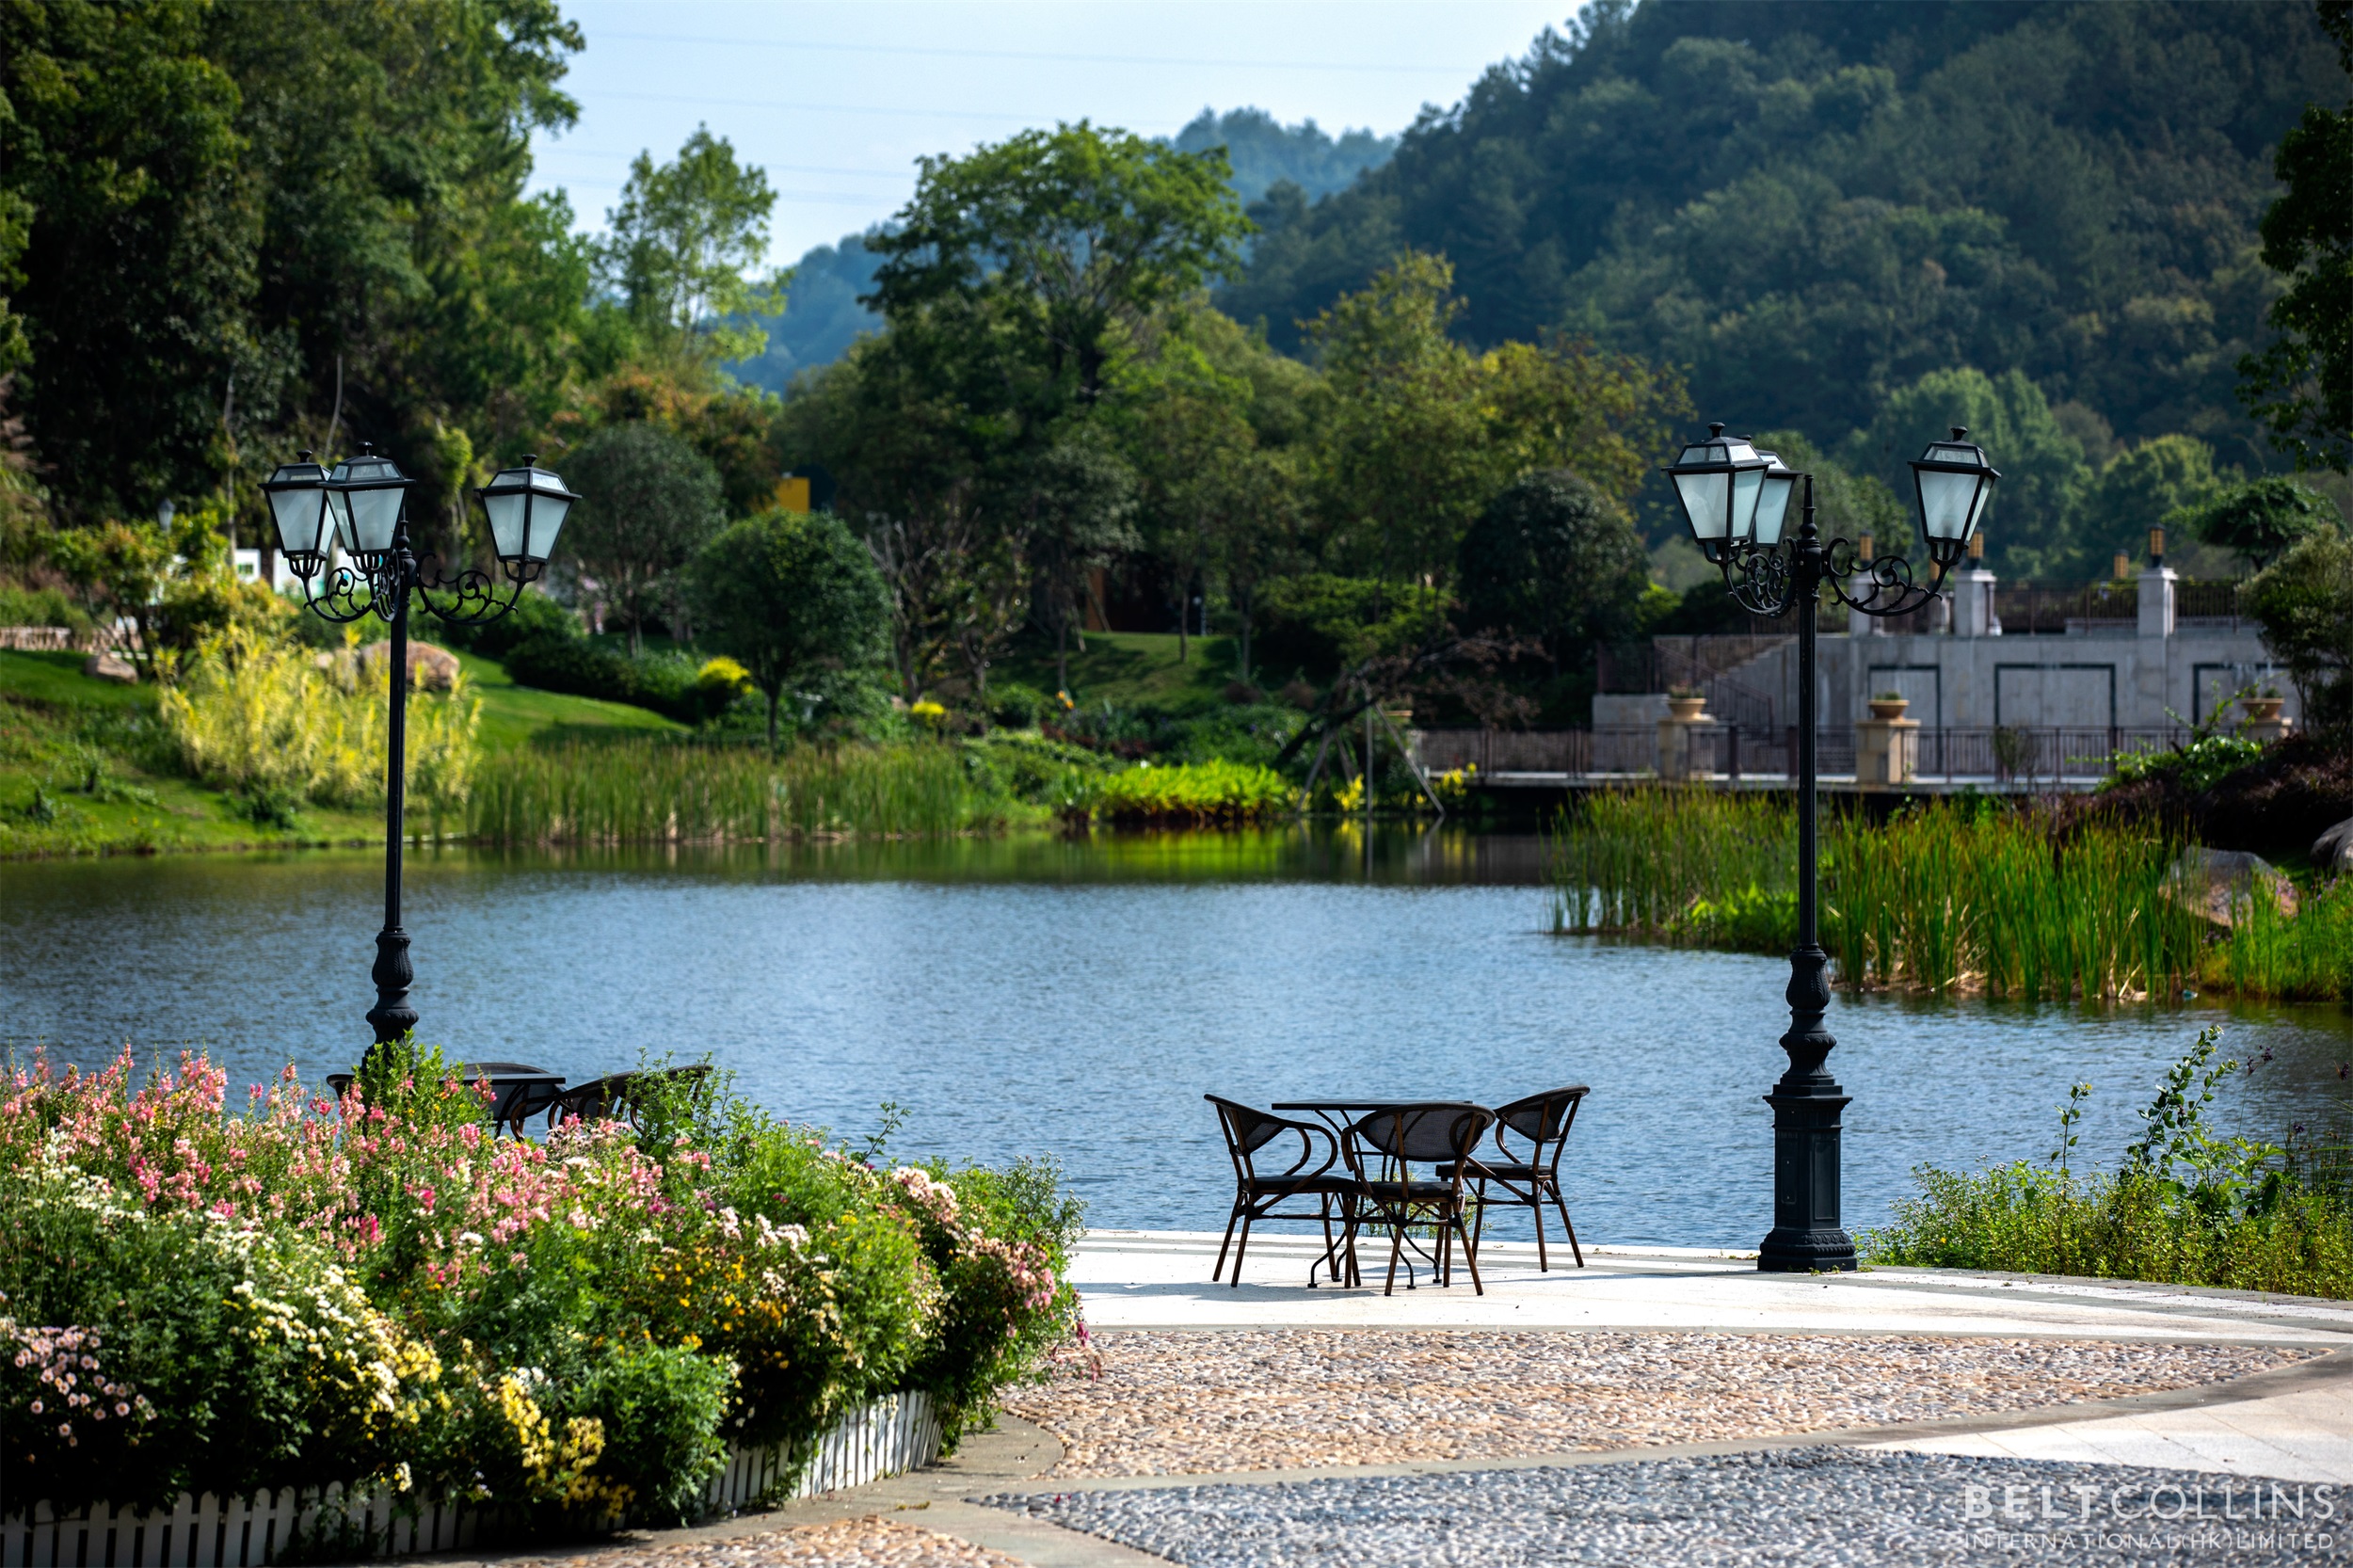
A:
<point x="1737" y="500"/>
<point x="361" y="509"/>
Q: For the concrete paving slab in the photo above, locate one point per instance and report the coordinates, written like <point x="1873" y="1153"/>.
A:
<point x="1160" y="1279"/>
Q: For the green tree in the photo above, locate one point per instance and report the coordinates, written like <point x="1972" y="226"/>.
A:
<point x="683" y="237"/>
<point x="1077" y="498"/>
<point x="2258" y="519"/>
<point x="2137" y="491"/>
<point x="648" y="501"/>
<point x="1554" y="558"/>
<point x="2031" y="523"/>
<point x="2304" y="602"/>
<point x="1063" y="234"/>
<point x="2301" y="385"/>
<point x="790" y="596"/>
<point x="128" y="246"/>
<point x="1404" y="463"/>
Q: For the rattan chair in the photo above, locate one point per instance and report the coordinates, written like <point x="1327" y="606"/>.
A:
<point x="1257" y="1194"/>
<point x="1531" y="1182"/>
<point x="1440" y="1133"/>
<point x="619" y="1096"/>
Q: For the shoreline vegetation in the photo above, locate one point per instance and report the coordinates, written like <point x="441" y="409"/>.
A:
<point x="2183" y="1207"/>
<point x="1948" y="897"/>
<point x="376" y="1289"/>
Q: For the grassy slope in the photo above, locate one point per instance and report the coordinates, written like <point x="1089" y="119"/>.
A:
<point x="1131" y="669"/>
<point x="55" y="720"/>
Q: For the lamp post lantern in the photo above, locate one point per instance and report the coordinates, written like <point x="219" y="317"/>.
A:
<point x="359" y="509"/>
<point x="1736" y="501"/>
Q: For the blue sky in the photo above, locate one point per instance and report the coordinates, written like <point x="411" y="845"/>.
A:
<point x="836" y="100"/>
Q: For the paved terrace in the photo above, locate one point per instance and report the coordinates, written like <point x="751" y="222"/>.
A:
<point x="1661" y="1405"/>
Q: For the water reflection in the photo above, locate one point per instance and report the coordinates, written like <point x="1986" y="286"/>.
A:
<point x="1078" y="997"/>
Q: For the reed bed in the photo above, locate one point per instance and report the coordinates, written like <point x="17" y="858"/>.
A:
<point x="1943" y="897"/>
<point x="1216" y="793"/>
<point x="655" y="791"/>
<point x="2307" y="958"/>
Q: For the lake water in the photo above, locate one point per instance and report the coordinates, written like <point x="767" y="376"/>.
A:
<point x="1077" y="998"/>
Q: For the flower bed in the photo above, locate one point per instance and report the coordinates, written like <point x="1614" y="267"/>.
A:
<point x="376" y="1292"/>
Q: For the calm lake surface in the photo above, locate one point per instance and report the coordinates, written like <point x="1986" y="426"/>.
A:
<point x="1076" y="999"/>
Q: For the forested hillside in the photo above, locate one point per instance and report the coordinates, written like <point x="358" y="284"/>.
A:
<point x="1812" y="205"/>
<point x="822" y="316"/>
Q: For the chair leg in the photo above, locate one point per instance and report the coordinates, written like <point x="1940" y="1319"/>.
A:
<point x="1469" y="1256"/>
<point x="1478" y="1231"/>
<point x="1239" y="1248"/>
<point x="1397" y="1243"/>
<point x="1331" y="1259"/>
<point x="1218" y="1272"/>
<point x="1543" y="1266"/>
<point x="1570" y="1229"/>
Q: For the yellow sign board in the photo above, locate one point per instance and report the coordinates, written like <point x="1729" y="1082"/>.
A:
<point x="792" y="494"/>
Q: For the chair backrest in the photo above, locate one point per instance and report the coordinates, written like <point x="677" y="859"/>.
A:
<point x="1542" y="1118"/>
<point x="1247" y="1130"/>
<point x="1429" y="1133"/>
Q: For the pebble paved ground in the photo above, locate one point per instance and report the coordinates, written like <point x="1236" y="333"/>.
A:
<point x="1178" y="1403"/>
<point x="871" y="1542"/>
<point x="1813" y="1505"/>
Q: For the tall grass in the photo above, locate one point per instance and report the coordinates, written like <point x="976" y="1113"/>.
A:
<point x="656" y="792"/>
<point x="1941" y="898"/>
<point x="2307" y="958"/>
<point x="265" y="721"/>
<point x="1638" y="861"/>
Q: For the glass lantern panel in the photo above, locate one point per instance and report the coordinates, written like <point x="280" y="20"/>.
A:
<point x="1947" y="503"/>
<point x="301" y="517"/>
<point x="1747" y="485"/>
<point x="375" y="515"/>
<point x="546" y="520"/>
<point x="338" y="511"/>
<point x="1977" y="507"/>
<point x="1773" y="507"/>
<point x="1706" y="500"/>
<point x="506" y="522"/>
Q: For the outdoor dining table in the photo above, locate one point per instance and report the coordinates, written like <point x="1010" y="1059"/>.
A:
<point x="1340" y="1116"/>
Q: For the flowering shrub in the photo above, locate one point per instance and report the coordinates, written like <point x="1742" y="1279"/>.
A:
<point x="378" y="1290"/>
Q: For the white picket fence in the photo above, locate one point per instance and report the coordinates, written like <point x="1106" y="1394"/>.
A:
<point x="882" y="1437"/>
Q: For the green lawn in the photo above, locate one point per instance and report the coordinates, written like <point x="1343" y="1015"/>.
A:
<point x="516" y="715"/>
<point x="81" y="774"/>
<point x="1131" y="669"/>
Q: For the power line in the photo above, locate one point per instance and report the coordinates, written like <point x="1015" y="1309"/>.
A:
<point x="825" y="108"/>
<point x="1027" y="55"/>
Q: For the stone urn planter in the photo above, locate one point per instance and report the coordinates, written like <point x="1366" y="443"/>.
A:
<point x="2264" y="710"/>
<point x="1683" y="710"/>
<point x="1885" y="707"/>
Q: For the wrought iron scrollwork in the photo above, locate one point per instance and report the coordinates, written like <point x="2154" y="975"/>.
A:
<point x="471" y="595"/>
<point x="347" y="592"/>
<point x="1764" y="585"/>
<point x="1889" y="591"/>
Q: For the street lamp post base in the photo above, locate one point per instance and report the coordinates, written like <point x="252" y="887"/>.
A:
<point x="392" y="1015"/>
<point x="1806" y="1236"/>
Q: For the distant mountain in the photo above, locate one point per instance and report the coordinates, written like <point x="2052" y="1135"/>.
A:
<point x="822" y="316"/>
<point x="1813" y="203"/>
<point x="1264" y="152"/>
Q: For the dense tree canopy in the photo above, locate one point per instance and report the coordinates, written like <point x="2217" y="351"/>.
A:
<point x="1815" y="205"/>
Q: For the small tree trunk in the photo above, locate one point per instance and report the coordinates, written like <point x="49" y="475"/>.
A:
<point x="775" y="694"/>
<point x="1062" y="652"/>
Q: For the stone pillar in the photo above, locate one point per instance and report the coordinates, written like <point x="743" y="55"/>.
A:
<point x="1973" y="604"/>
<point x="1886" y="748"/>
<point x="2156" y="600"/>
<point x="1686" y="740"/>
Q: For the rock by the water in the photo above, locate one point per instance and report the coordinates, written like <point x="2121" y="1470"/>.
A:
<point x="2219" y="883"/>
<point x="430" y="668"/>
<point x="2332" y="852"/>
<point x="106" y="665"/>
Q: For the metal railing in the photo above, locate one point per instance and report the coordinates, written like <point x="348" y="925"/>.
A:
<point x="2001" y="754"/>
